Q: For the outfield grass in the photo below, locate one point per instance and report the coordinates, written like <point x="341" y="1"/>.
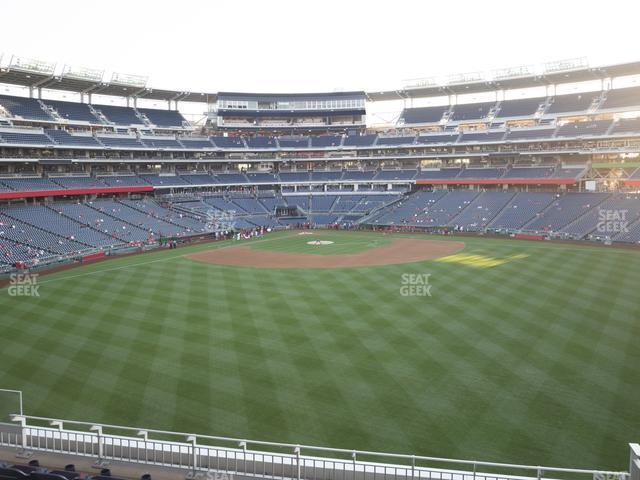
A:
<point x="526" y="352"/>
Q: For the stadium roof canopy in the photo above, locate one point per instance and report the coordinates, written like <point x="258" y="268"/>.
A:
<point x="37" y="74"/>
<point x="521" y="77"/>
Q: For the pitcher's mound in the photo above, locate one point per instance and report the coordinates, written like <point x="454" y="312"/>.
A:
<point x="400" y="250"/>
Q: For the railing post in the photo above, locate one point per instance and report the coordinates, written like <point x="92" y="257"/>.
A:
<point x="413" y="466"/>
<point x="194" y="454"/>
<point x="354" y="457"/>
<point x="23" y="429"/>
<point x="98" y="430"/>
<point x="539" y="473"/>
<point x="297" y="452"/>
<point x="634" y="461"/>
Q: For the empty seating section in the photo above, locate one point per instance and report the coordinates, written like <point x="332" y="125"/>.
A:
<point x="580" y="129"/>
<point x="530" y="133"/>
<point x="301" y="202"/>
<point x="228" y="142"/>
<point x="445" y="209"/>
<point x="62" y="137"/>
<point x="261" y="142"/>
<point x="423" y="114"/>
<point x="488" y="136"/>
<point x="119" y="115"/>
<point x="626" y="125"/>
<point x="326" y="176"/>
<point x="623" y="208"/>
<point x="523" y="208"/>
<point x="395" y="140"/>
<point x="295" y="176"/>
<point x="26" y="184"/>
<point x="564" y="210"/>
<point x="291" y="142"/>
<point x="575" y="102"/>
<point x="471" y="111"/>
<point x="438" y="138"/>
<point x="22" y="137"/>
<point x="405" y="211"/>
<point x="261" y="177"/>
<point x="73" y="111"/>
<point x="120" y="141"/>
<point x="325" y="141"/>
<point x="199" y="179"/>
<point x="99" y="216"/>
<point x="78" y="182"/>
<point x="167" y="143"/>
<point x="35" y="237"/>
<point x="479" y="173"/>
<point x="529" y="172"/>
<point x="196" y="143"/>
<point x="162" y="118"/>
<point x="567" y="172"/>
<point x="438" y="174"/>
<point x="395" y="175"/>
<point x="123" y="180"/>
<point x="359" y="140"/>
<point x="621" y="98"/>
<point x="164" y="180"/>
<point x="358" y="175"/>
<point x="522" y="107"/>
<point x="481" y="211"/>
<point x="231" y="178"/>
<point x="323" y="203"/>
<point x="27" y="108"/>
<point x="51" y="220"/>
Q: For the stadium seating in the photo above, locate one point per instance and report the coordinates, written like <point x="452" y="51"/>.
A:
<point x="438" y="138"/>
<point x="395" y="140"/>
<point x="163" y="118"/>
<point x="25" y="137"/>
<point x="523" y="107"/>
<point x="481" y="211"/>
<point x="483" y="136"/>
<point x="119" y="115"/>
<point x="584" y="129"/>
<point x="27" y="108"/>
<point x="423" y="114"/>
<point x="228" y="142"/>
<point x="293" y="142"/>
<point x="564" y="210"/>
<point x="622" y="98"/>
<point x="359" y="140"/>
<point x="73" y="111"/>
<point x="195" y="143"/>
<point x="326" y="141"/>
<point x="120" y="141"/>
<point x="161" y="142"/>
<point x="471" y="111"/>
<point x="575" y="102"/>
<point x="62" y="137"/>
<point x="521" y="209"/>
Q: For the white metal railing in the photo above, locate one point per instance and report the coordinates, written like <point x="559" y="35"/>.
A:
<point x="198" y="453"/>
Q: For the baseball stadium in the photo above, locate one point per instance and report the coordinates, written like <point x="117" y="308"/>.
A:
<point x="283" y="287"/>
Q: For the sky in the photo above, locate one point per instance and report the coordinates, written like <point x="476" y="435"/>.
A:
<point x="298" y="46"/>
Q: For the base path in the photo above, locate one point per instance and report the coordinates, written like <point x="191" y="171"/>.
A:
<point x="400" y="250"/>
